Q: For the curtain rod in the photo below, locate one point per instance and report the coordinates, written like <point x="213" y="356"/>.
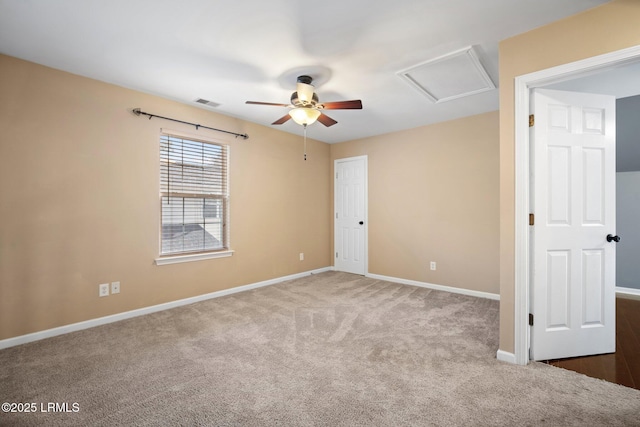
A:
<point x="137" y="112"/>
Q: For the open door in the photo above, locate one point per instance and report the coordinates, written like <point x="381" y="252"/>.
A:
<point x="573" y="202"/>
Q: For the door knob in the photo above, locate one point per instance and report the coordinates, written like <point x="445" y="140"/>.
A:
<point x="361" y="222"/>
<point x="611" y="238"/>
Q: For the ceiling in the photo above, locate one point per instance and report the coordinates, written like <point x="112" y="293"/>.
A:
<point x="230" y="52"/>
<point x="620" y="81"/>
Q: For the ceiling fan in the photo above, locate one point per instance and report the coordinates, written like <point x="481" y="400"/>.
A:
<point x="306" y="108"/>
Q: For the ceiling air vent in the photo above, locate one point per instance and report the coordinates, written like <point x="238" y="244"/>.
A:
<point x="448" y="77"/>
<point x="207" y="102"/>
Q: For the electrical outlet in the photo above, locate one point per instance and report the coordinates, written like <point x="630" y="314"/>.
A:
<point x="115" y="287"/>
<point x="433" y="265"/>
<point x="301" y="256"/>
<point x="103" y="290"/>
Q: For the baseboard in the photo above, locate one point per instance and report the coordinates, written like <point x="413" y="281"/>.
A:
<point x="504" y="356"/>
<point x="631" y="293"/>
<point x="36" y="336"/>
<point x="451" y="289"/>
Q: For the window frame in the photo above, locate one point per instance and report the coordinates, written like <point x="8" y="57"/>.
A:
<point x="187" y="256"/>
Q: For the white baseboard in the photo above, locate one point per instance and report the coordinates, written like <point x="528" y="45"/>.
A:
<point x="451" y="289"/>
<point x="504" y="356"/>
<point x="36" y="336"/>
<point x="632" y="292"/>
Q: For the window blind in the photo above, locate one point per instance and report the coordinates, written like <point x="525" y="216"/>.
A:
<point x="194" y="195"/>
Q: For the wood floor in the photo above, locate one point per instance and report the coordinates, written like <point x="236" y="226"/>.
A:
<point x="622" y="367"/>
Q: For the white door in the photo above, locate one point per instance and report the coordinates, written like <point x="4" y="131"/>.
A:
<point x="573" y="199"/>
<point x="350" y="203"/>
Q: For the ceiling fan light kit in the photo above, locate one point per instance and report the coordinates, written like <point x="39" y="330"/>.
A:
<point x="304" y="116"/>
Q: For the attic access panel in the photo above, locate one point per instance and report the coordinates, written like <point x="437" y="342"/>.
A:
<point x="448" y="77"/>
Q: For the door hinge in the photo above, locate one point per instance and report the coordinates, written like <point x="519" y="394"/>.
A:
<point x="336" y="254"/>
<point x="532" y="120"/>
<point x="532" y="219"/>
<point x="530" y="319"/>
<point x="336" y="215"/>
<point x="336" y="175"/>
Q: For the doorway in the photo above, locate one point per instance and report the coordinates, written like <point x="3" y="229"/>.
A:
<point x="523" y="86"/>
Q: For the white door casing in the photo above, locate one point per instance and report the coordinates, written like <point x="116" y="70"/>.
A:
<point x="573" y="198"/>
<point x="350" y="206"/>
<point x="521" y="260"/>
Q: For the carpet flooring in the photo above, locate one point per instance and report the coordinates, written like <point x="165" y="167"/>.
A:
<point x="331" y="349"/>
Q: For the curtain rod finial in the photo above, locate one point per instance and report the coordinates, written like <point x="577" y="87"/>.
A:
<point x="136" y="111"/>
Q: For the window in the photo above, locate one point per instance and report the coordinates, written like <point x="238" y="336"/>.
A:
<point x="194" y="196"/>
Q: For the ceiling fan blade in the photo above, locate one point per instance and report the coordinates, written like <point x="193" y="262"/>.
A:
<point x="281" y="120"/>
<point x="267" y="103"/>
<point x="326" y="120"/>
<point x="355" y="104"/>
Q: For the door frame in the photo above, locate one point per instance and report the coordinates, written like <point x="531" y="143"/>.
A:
<point x="523" y="85"/>
<point x="366" y="207"/>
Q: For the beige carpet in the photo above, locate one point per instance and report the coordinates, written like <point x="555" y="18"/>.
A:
<point x="331" y="349"/>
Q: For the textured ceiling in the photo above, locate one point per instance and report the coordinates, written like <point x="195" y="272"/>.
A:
<point x="230" y="52"/>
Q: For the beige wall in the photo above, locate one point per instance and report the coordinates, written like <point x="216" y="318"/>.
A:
<point x="433" y="196"/>
<point x="607" y="28"/>
<point x="79" y="186"/>
<point x="79" y="180"/>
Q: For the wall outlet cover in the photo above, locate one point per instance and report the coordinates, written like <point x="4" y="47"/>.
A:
<point x="103" y="290"/>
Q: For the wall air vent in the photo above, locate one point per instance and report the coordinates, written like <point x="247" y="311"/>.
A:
<point x="448" y="77"/>
<point x="207" y="102"/>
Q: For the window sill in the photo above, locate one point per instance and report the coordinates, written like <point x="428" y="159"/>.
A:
<point x="192" y="257"/>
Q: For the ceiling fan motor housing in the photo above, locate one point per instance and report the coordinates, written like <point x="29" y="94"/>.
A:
<point x="304" y="96"/>
<point x="295" y="101"/>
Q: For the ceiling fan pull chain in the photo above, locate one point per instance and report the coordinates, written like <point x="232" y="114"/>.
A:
<point x="305" y="142"/>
